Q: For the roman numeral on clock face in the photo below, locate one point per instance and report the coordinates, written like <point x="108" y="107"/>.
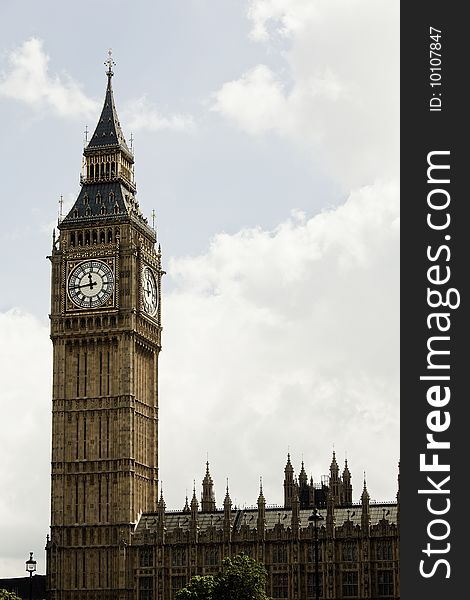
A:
<point x="90" y="284"/>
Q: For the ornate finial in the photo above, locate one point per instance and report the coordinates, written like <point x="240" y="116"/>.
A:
<point x="86" y="134"/>
<point x="365" y="483"/>
<point x="132" y="141"/>
<point x="109" y="62"/>
<point x="61" y="204"/>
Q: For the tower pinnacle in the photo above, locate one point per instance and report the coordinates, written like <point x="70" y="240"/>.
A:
<point x="108" y="191"/>
<point x="208" y="496"/>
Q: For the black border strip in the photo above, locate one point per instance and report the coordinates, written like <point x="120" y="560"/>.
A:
<point x="441" y="131"/>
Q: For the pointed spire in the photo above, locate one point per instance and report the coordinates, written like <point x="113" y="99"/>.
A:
<point x="108" y="191"/>
<point x="161" y="516"/>
<point x="208" y="496"/>
<point x="194" y="506"/>
<point x="335" y="481"/>
<point x="261" y="495"/>
<point x="161" y="503"/>
<point x="227" y="499"/>
<point x="186" y="508"/>
<point x="334" y="469"/>
<point x="303" y="479"/>
<point x="347" y="486"/>
<point x="365" y="494"/>
<point x="365" y="515"/>
<point x="193" y="526"/>
<point x="288" y="483"/>
<point x="227" y="515"/>
<point x="261" y="521"/>
<point x="108" y="131"/>
<point x="288" y="467"/>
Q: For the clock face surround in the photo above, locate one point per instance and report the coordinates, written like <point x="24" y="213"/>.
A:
<point x="90" y="284"/>
<point x="149" y="291"/>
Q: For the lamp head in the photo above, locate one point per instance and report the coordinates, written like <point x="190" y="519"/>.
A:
<point x="31" y="564"/>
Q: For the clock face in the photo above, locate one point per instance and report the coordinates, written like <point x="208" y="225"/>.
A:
<point x="90" y="284"/>
<point x="149" y="291"/>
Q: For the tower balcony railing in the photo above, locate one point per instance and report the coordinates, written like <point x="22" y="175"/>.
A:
<point x="107" y="177"/>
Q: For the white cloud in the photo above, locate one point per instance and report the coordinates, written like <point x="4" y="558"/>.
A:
<point x="282" y="338"/>
<point x="255" y="101"/>
<point x="28" y="79"/>
<point x="141" y="114"/>
<point x="25" y="417"/>
<point x="339" y="95"/>
<point x="282" y="17"/>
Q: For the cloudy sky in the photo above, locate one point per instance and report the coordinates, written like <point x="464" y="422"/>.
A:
<point x="266" y="139"/>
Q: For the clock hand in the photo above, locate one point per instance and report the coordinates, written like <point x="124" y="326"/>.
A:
<point x="90" y="285"/>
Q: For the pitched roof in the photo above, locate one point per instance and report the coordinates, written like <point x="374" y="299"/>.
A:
<point x="273" y="516"/>
<point x="108" y="131"/>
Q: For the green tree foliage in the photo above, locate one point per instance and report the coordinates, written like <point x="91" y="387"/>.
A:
<point x="199" y="588"/>
<point x="4" y="595"/>
<point x="241" y="578"/>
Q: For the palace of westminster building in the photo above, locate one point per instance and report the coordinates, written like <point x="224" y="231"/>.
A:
<point x="111" y="536"/>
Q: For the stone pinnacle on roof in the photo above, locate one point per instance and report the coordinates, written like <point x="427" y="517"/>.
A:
<point x="161" y="502"/>
<point x="227" y="499"/>
<point x="334" y="469"/>
<point x="261" y="495"/>
<point x="365" y="494"/>
<point x="289" y="464"/>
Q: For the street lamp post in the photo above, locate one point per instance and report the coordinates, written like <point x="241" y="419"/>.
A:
<point x="30" y="568"/>
<point x="315" y="517"/>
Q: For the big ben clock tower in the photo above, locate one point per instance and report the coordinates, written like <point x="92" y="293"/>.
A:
<point x="106" y="332"/>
